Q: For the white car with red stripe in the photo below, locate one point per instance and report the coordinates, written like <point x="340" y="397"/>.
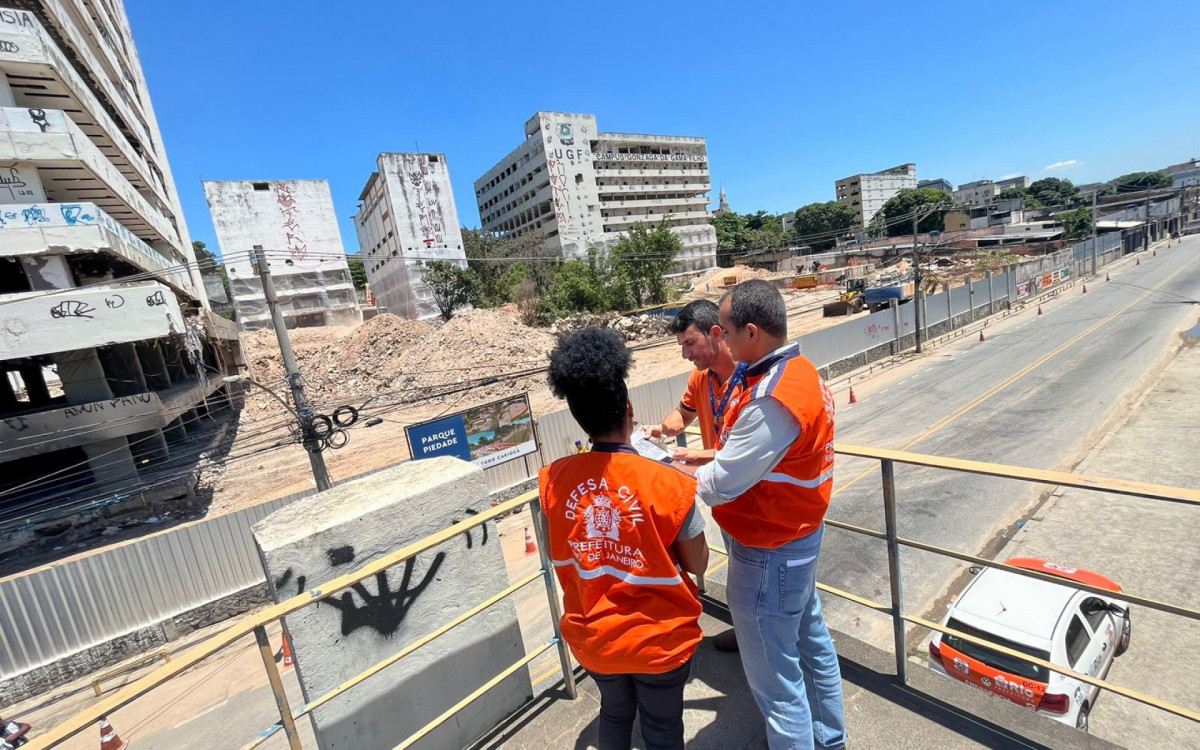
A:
<point x="1076" y="629"/>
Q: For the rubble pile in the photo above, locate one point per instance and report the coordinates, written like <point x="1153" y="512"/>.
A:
<point x="474" y="345"/>
<point x="633" y="328"/>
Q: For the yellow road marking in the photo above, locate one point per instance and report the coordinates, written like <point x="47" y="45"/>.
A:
<point x="948" y="419"/>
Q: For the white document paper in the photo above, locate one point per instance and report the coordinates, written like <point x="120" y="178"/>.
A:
<point x="645" y="447"/>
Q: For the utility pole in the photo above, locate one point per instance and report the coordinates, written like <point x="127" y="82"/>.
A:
<point x="1146" y="235"/>
<point x="1094" y="217"/>
<point x="320" y="473"/>
<point x="918" y="295"/>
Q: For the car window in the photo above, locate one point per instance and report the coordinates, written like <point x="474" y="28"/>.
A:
<point x="1003" y="662"/>
<point x="1078" y="638"/>
<point x="1098" y="613"/>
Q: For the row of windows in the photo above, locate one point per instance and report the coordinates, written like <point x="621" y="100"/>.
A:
<point x="511" y="169"/>
<point x="509" y="190"/>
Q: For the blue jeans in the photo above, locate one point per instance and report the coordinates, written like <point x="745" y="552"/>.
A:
<point x="785" y="647"/>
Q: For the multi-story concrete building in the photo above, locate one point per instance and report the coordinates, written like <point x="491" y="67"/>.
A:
<point x="866" y="193"/>
<point x="977" y="193"/>
<point x="294" y="222"/>
<point x="583" y="189"/>
<point x="1020" y="181"/>
<point x="939" y="184"/>
<point x="108" y="351"/>
<point x="407" y="217"/>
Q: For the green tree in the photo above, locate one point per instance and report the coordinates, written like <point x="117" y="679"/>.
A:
<point x="731" y="236"/>
<point x="451" y="285"/>
<point x="358" y="272"/>
<point x="1076" y="223"/>
<point x="642" y="258"/>
<point x="895" y="218"/>
<point x="1021" y="193"/>
<point x="819" y="224"/>
<point x="209" y="264"/>
<point x="1055" y="191"/>
<point x="1135" y="181"/>
<point x="501" y="263"/>
<point x="591" y="285"/>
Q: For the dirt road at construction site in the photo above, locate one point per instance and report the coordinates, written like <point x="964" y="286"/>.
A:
<point x="405" y="372"/>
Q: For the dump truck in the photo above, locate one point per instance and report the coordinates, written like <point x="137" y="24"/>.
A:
<point x="880" y="296"/>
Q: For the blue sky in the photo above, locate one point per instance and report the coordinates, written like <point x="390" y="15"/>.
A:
<point x="791" y="95"/>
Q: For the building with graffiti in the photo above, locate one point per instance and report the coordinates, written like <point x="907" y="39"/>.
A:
<point x="110" y="356"/>
<point x="295" y="224"/>
<point x="407" y="218"/>
<point x="583" y="189"/>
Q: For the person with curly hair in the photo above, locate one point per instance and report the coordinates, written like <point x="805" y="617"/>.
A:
<point x="623" y="534"/>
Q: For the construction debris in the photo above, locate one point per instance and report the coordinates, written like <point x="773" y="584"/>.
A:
<point x="633" y="329"/>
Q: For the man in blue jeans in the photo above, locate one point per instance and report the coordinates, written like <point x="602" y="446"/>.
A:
<point x="769" y="486"/>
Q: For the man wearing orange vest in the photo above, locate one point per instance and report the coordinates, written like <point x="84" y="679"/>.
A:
<point x="769" y="486"/>
<point x="713" y="387"/>
<point x="624" y="532"/>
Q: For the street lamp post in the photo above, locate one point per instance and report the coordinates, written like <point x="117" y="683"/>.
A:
<point x="918" y="290"/>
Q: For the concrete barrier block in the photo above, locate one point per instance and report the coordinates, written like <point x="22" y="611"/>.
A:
<point x="335" y="532"/>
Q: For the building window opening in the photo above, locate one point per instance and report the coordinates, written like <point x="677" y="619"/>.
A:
<point x="433" y="159"/>
<point x="262" y="185"/>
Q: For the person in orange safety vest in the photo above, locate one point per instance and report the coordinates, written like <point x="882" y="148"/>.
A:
<point x="624" y="533"/>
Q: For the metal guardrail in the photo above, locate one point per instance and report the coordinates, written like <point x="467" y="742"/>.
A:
<point x="887" y="458"/>
<point x="257" y="623"/>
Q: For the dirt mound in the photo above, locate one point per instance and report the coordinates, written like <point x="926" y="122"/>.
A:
<point x="715" y="280"/>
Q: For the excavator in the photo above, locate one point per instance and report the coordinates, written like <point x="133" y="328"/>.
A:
<point x="851" y="301"/>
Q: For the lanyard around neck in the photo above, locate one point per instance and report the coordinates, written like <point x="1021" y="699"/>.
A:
<point x="718" y="412"/>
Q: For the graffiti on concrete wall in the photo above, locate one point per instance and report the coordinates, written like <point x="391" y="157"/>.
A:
<point x="385" y="609"/>
<point x="293" y="234"/>
<point x="14" y="182"/>
<point x="431" y="222"/>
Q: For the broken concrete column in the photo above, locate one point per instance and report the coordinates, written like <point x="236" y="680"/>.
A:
<point x="174" y="359"/>
<point x="327" y="535"/>
<point x="154" y="367"/>
<point x="111" y="461"/>
<point x="82" y="376"/>
<point x="46" y="272"/>
<point x="148" y="448"/>
<point x="8" y="397"/>
<point x="175" y="432"/>
<point x="35" y="385"/>
<point x="122" y="368"/>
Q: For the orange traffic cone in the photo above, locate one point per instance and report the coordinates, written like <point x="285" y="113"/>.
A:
<point x="1139" y="262"/>
<point x="1154" y="252"/>
<point x="1085" y="288"/>
<point x="1039" y="309"/>
<point x="109" y="739"/>
<point x="530" y="547"/>
<point x="1107" y="277"/>
<point x="853" y="398"/>
<point x="981" y="338"/>
<point x="287" y="653"/>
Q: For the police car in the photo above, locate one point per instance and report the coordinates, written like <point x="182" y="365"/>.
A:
<point x="1062" y="625"/>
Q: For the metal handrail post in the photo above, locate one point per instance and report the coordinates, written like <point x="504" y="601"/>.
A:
<point x="281" y="701"/>
<point x="893" y="548"/>
<point x="540" y="528"/>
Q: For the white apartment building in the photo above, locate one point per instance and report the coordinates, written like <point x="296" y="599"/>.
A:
<point x="976" y="193"/>
<point x="866" y="193"/>
<point x="406" y="216"/>
<point x="983" y="192"/>
<point x="295" y="224"/>
<point x="109" y="355"/>
<point x="583" y="189"/>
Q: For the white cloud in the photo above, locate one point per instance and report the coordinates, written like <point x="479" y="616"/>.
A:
<point x="1063" y="165"/>
<point x="1010" y="176"/>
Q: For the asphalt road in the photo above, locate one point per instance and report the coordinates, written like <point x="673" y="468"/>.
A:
<point x="1036" y="394"/>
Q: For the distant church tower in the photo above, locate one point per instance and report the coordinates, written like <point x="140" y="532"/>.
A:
<point x="723" y="207"/>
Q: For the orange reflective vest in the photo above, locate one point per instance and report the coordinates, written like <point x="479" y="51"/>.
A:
<point x="791" y="501"/>
<point x="703" y="396"/>
<point x="613" y="516"/>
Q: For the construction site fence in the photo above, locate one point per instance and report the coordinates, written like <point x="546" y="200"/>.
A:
<point x="895" y="608"/>
<point x="58" y="611"/>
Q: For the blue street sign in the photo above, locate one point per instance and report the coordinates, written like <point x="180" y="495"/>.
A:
<point x="441" y="437"/>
